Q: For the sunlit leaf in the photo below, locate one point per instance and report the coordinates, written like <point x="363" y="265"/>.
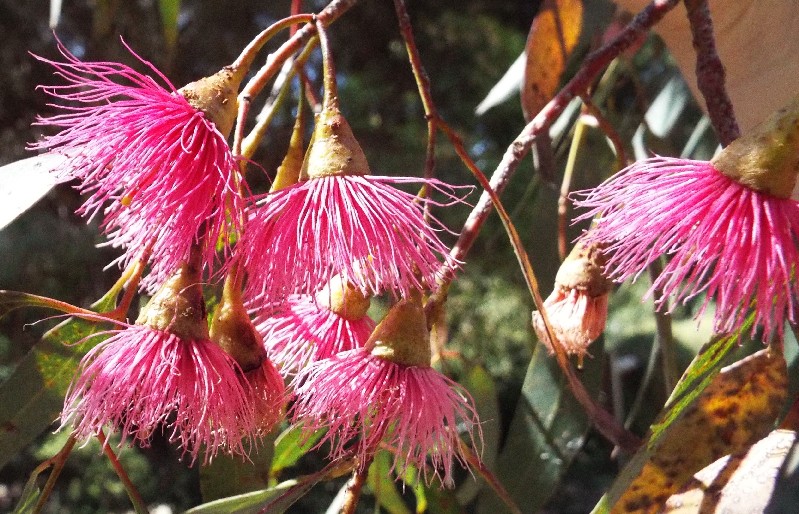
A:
<point x="553" y="35"/>
<point x="248" y="503"/>
<point x="507" y="86"/>
<point x="546" y="432"/>
<point x="736" y="409"/>
<point x="24" y="182"/>
<point x="55" y="13"/>
<point x="739" y="483"/>
<point x="383" y="486"/>
<point x="291" y="445"/>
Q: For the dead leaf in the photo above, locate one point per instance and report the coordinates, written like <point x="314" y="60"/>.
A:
<point x="552" y="38"/>
<point x="735" y="410"/>
<point x="741" y="483"/>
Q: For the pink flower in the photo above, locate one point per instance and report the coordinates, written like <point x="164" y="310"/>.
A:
<point x="577" y="309"/>
<point x="413" y="410"/>
<point x="142" y="378"/>
<point x="302" y="331"/>
<point x="306" y="328"/>
<point x="730" y="241"/>
<point x="359" y="226"/>
<point x="577" y="319"/>
<point x="156" y="166"/>
<point x="267" y="395"/>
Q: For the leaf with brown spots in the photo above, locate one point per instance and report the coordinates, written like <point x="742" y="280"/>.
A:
<point x="741" y="483"/>
<point x="552" y="38"/>
<point x="734" y="411"/>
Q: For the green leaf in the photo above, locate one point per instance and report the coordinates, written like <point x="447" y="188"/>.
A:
<point x="383" y="486"/>
<point x="545" y="434"/>
<point x="484" y="393"/>
<point x="30" y="495"/>
<point x="291" y="445"/>
<point x="170" y="11"/>
<point x="229" y="475"/>
<point x="32" y="397"/>
<point x="251" y="502"/>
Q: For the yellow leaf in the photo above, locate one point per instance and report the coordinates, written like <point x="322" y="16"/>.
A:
<point x="739" y="483"/>
<point x="735" y="410"/>
<point x="552" y="38"/>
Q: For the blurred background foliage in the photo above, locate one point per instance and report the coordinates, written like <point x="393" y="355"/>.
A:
<point x="466" y="46"/>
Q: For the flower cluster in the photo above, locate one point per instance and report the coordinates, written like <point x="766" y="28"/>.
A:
<point x="303" y="260"/>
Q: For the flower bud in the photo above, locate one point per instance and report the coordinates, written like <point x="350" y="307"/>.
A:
<point x="344" y="299"/>
<point x="233" y="331"/>
<point x="767" y="158"/>
<point x="216" y="97"/>
<point x="402" y="336"/>
<point x="178" y="307"/>
<point x="334" y="150"/>
<point x="577" y="309"/>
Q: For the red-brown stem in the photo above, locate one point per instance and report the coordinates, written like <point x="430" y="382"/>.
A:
<point x="131" y="288"/>
<point x="520" y="147"/>
<point x="330" y="95"/>
<point x="355" y="486"/>
<point x="710" y="74"/>
<point x="247" y="55"/>
<point x="326" y="16"/>
<point x="423" y="84"/>
<point x="608" y="130"/>
<point x="57" y="461"/>
<point x="133" y="493"/>
<point x="493" y="482"/>
<point x="296" y="8"/>
<point x="604" y="422"/>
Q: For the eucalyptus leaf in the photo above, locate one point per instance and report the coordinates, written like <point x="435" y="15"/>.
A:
<point x="25" y="182"/>
<point x="382" y="484"/>
<point x="229" y="475"/>
<point x="248" y="503"/>
<point x="291" y="445"/>
<point x="546" y="432"/>
<point x="33" y="395"/>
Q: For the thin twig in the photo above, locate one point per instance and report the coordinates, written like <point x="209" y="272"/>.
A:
<point x="565" y="187"/>
<point x="665" y="338"/>
<point x="604" y="422"/>
<point x="355" y="486"/>
<point x="492" y="480"/>
<point x="57" y="461"/>
<point x="422" y="82"/>
<point x="520" y="147"/>
<point x="275" y="60"/>
<point x="609" y="130"/>
<point x="710" y="74"/>
<point x="135" y="498"/>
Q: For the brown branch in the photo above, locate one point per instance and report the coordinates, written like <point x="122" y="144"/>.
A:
<point x="604" y="422"/>
<point x="355" y="485"/>
<point x="592" y="66"/>
<point x="275" y="60"/>
<point x="710" y="73"/>
<point x="423" y="84"/>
